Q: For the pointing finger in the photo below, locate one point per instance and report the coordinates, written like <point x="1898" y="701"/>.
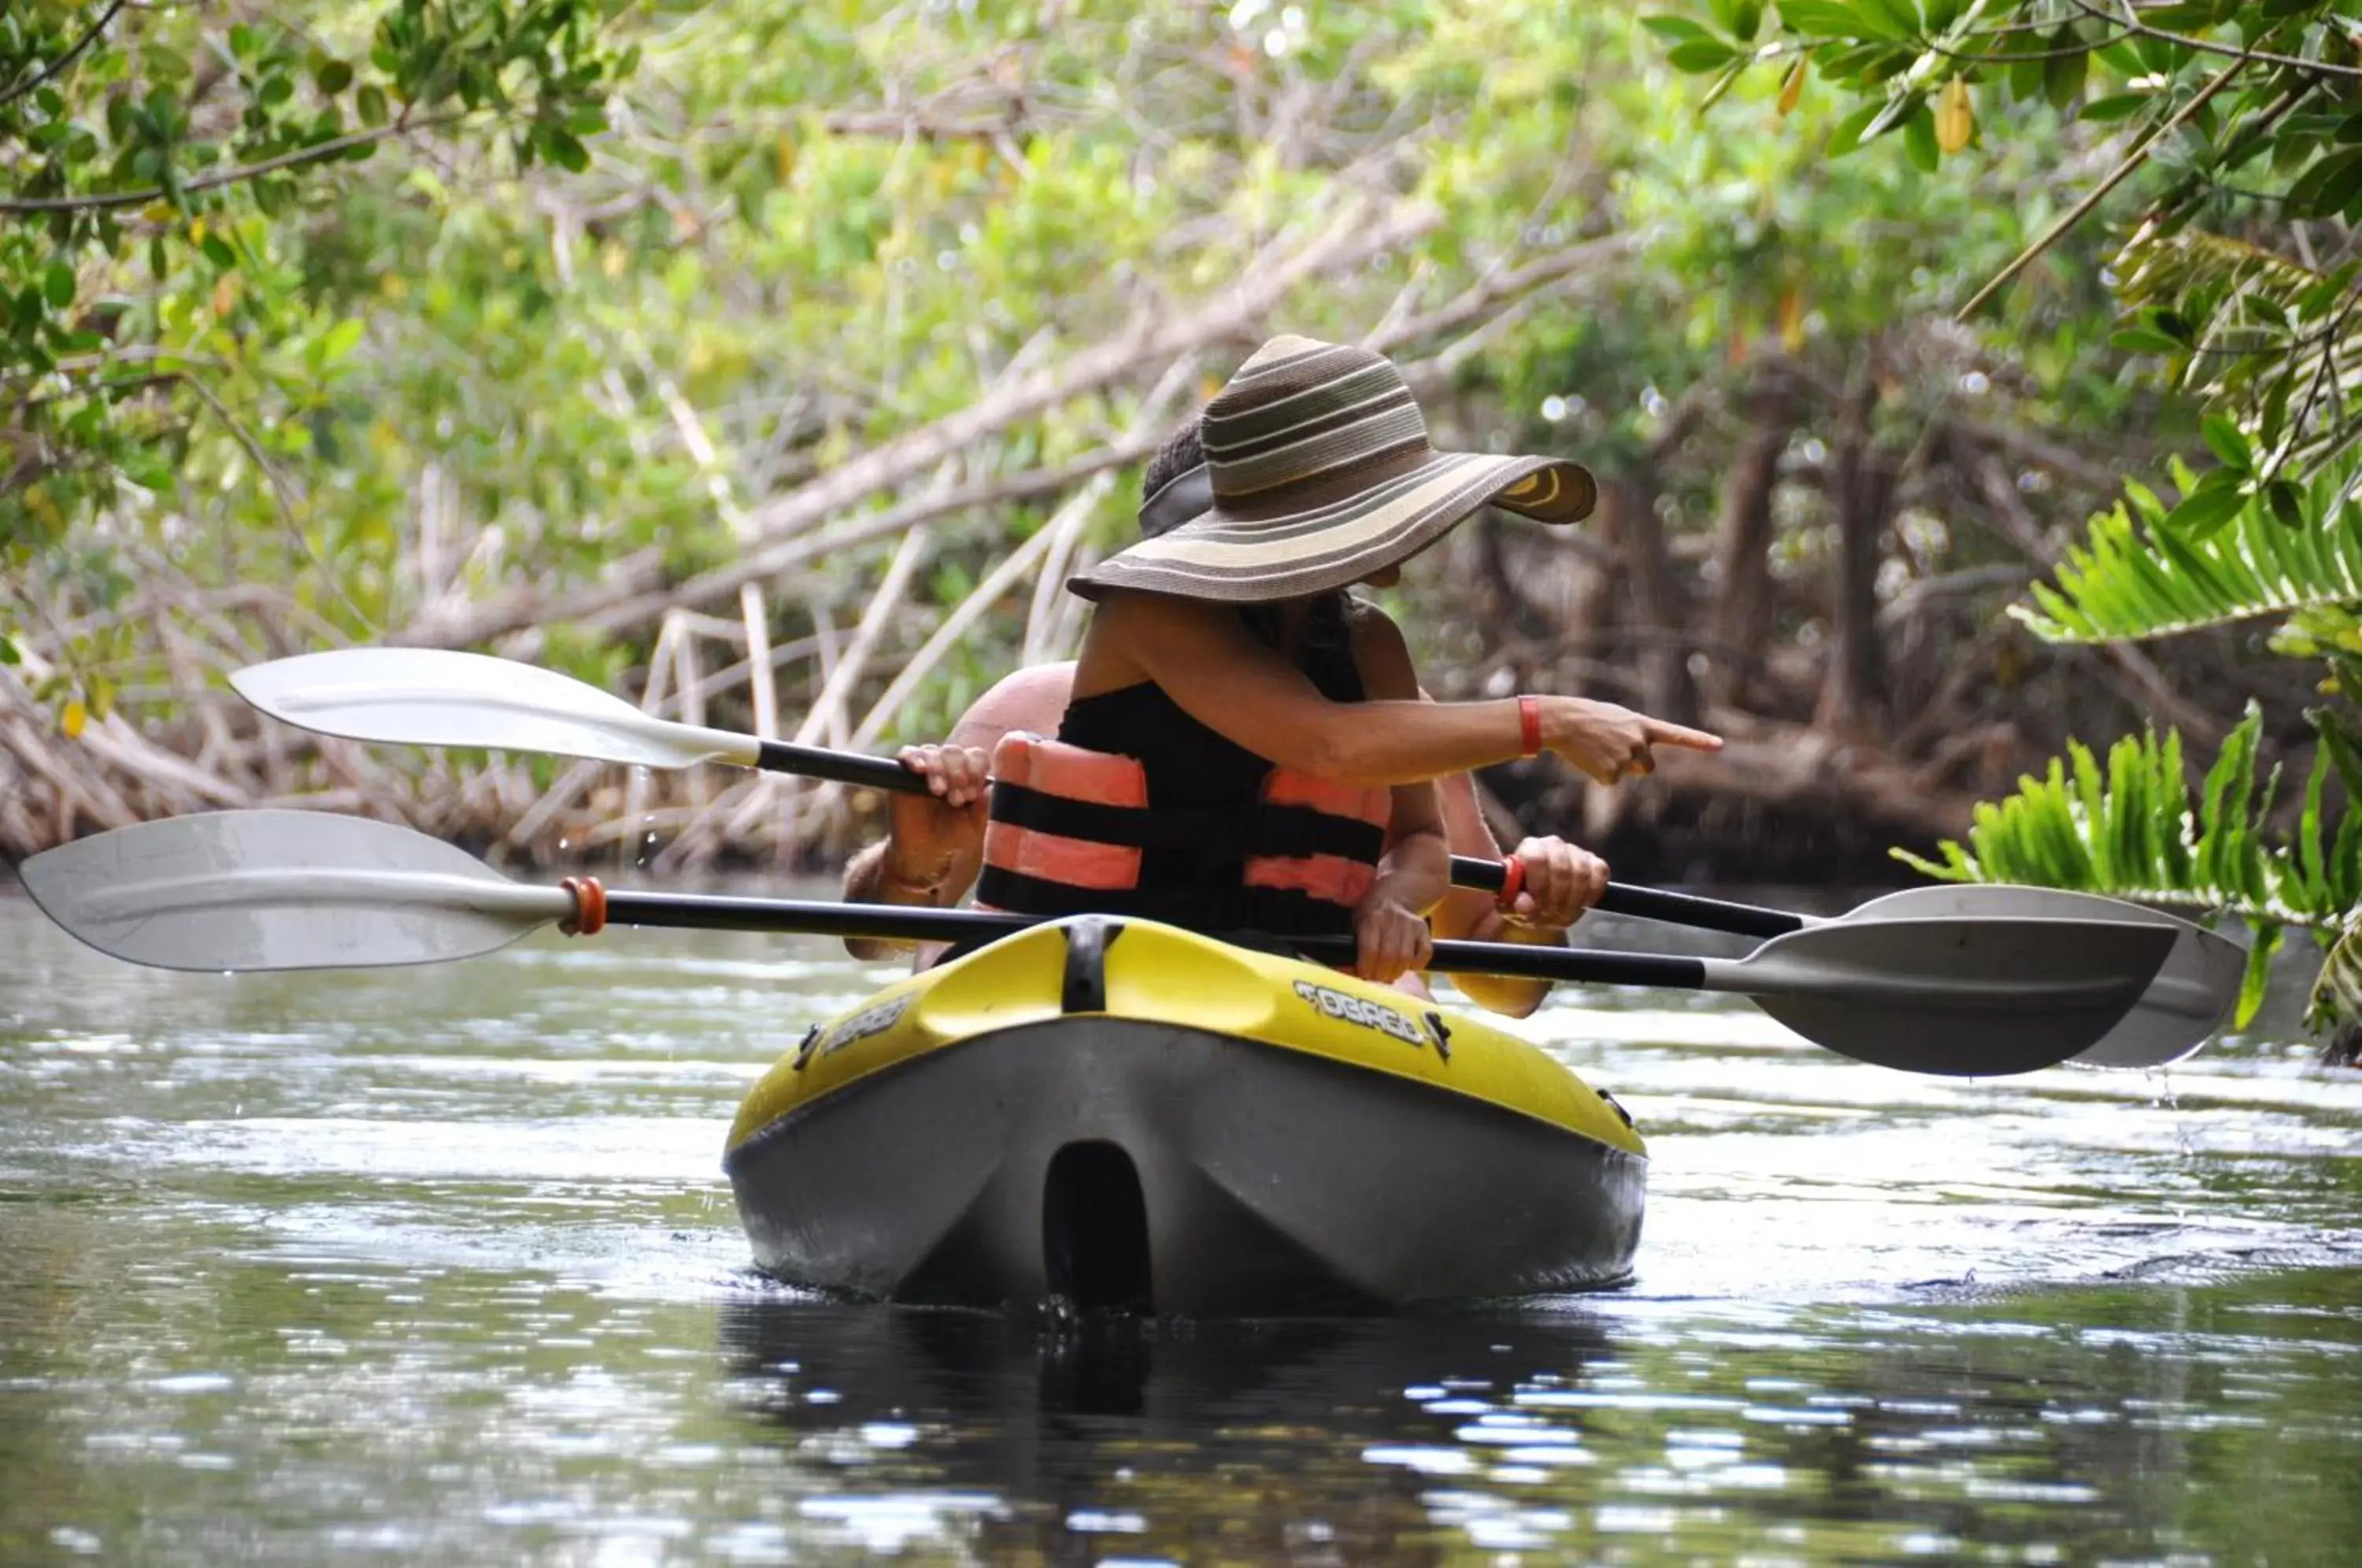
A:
<point x="1659" y="732"/>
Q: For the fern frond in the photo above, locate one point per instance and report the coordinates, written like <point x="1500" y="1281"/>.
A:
<point x="2136" y="576"/>
<point x="2130" y="831"/>
<point x="2258" y="336"/>
<point x="2155" y="265"/>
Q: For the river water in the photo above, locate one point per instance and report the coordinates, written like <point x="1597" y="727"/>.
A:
<point x="439" y="1265"/>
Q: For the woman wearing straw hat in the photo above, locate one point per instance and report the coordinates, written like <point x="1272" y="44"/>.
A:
<point x="1246" y="748"/>
<point x="933" y="844"/>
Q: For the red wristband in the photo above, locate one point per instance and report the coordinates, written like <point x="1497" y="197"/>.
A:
<point x="1513" y="881"/>
<point x="1529" y="722"/>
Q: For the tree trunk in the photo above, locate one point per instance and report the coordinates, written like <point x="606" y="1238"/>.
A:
<point x="1592" y="619"/>
<point x="1656" y="617"/>
<point x="1740" y="622"/>
<point x="1505" y="602"/>
<point x="1861" y="489"/>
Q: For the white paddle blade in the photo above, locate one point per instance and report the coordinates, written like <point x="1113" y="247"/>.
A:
<point x="433" y="697"/>
<point x="273" y="890"/>
<point x="2191" y="998"/>
<point x="1966" y="998"/>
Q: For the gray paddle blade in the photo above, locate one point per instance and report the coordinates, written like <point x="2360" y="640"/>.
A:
<point x="1961" y="998"/>
<point x="2190" y="999"/>
<point x="276" y="889"/>
<point x="438" y="697"/>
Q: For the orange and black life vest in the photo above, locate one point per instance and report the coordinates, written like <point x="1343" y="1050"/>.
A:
<point x="1073" y="830"/>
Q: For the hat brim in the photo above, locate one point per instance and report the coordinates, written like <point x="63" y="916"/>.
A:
<point x="1220" y="556"/>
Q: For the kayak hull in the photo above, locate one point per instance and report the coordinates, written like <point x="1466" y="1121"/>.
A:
<point x="1113" y="1159"/>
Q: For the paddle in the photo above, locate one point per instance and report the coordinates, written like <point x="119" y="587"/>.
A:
<point x="431" y="697"/>
<point x="279" y="890"/>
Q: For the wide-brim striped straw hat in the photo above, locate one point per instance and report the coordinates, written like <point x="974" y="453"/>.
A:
<point x="1320" y="474"/>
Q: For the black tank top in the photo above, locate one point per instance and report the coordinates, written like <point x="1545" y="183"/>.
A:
<point x="1191" y="767"/>
<point x="1188" y="763"/>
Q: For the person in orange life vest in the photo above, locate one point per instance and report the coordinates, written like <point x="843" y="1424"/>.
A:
<point x="934" y="843"/>
<point x="1226" y="665"/>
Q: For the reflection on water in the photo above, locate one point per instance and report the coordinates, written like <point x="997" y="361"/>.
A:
<point x="2106" y="1423"/>
<point x="439" y="1263"/>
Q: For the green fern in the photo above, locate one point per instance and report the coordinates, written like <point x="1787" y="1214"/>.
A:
<point x="2131" y="831"/>
<point x="2256" y="336"/>
<point x="2139" y="576"/>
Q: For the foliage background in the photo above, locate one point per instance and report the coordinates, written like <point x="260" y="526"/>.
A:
<point x="773" y="365"/>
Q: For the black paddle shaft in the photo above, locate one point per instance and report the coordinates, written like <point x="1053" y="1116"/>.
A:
<point x="1467" y="871"/>
<point x="839" y="767"/>
<point x="897" y="922"/>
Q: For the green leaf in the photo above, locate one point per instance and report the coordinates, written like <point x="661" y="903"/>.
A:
<point x="1721" y="84"/>
<point x="219" y="252"/>
<point x="2116" y="106"/>
<point x="2275" y="415"/>
<point x="2142" y="340"/>
<point x="2337" y="739"/>
<point x="58" y="284"/>
<point x="2339" y="192"/>
<point x="333" y="76"/>
<point x="2228" y="443"/>
<point x="2287" y="502"/>
<point x="1849" y="132"/>
<point x="369" y="103"/>
<point x="1822" y="19"/>
<point x="1700" y="55"/>
<point x="2326" y="186"/>
<point x="1919" y="139"/>
<point x="1677" y="29"/>
<point x="2218" y="499"/>
<point x="2062" y="74"/>
<point x="341" y="340"/>
<point x="2258" y="976"/>
<point x="1898" y="19"/>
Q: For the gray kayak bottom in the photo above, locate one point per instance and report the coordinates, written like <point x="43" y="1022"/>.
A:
<point x="1121" y="1163"/>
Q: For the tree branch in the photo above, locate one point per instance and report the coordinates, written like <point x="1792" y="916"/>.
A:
<point x="2131" y="22"/>
<point x="2083" y="209"/>
<point x="58" y="66"/>
<point x="317" y="153"/>
<point x="777" y="528"/>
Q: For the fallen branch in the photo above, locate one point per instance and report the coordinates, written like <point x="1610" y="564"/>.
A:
<point x="1043" y="618"/>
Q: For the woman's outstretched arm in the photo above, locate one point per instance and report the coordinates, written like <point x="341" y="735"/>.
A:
<point x="1210" y="664"/>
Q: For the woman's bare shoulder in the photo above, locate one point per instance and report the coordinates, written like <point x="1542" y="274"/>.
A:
<point x="1033" y="698"/>
<point x="1381" y="653"/>
<point x="1131" y="635"/>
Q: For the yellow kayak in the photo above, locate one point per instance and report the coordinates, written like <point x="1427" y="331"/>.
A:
<point x="1123" y="1114"/>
